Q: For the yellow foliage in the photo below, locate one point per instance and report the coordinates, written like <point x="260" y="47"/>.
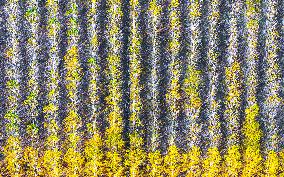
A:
<point x="195" y="10"/>
<point x="281" y="163"/>
<point x="174" y="3"/>
<point x="51" y="163"/>
<point x="272" y="164"/>
<point x="135" y="156"/>
<point x="53" y="25"/>
<point x="233" y="164"/>
<point x="252" y="132"/>
<point x="173" y="94"/>
<point x="12" y="153"/>
<point x="72" y="53"/>
<point x="51" y="2"/>
<point x="233" y="161"/>
<point x="172" y="163"/>
<point x="135" y="159"/>
<point x="191" y="88"/>
<point x="212" y="164"/>
<point x="191" y="162"/>
<point x="71" y="121"/>
<point x="30" y="161"/>
<point x="73" y="161"/>
<point x="252" y="162"/>
<point x="50" y="108"/>
<point x="155" y="166"/>
<point x="114" y="165"/>
<point x="251" y="127"/>
<point x="93" y="153"/>
<point x="155" y="8"/>
<point x="9" y="53"/>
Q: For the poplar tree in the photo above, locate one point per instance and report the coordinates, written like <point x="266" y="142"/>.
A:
<point x="136" y="154"/>
<point x="72" y="122"/>
<point x="251" y="127"/>
<point x="51" y="160"/>
<point x="93" y="149"/>
<point x="233" y="81"/>
<point x="114" y="142"/>
<point x="173" y="96"/>
<point x="155" y="161"/>
<point x="211" y="164"/>
<point x="31" y="147"/>
<point x="191" y="88"/>
<point x="272" y="101"/>
<point x="12" y="148"/>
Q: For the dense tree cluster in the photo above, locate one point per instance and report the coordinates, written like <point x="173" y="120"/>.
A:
<point x="141" y="88"/>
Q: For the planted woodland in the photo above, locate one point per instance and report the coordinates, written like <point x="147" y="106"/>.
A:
<point x="138" y="88"/>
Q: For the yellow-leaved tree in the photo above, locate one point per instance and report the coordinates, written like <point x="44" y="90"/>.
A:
<point x="154" y="156"/>
<point x="251" y="127"/>
<point x="72" y="159"/>
<point x="51" y="159"/>
<point x="136" y="154"/>
<point x="191" y="161"/>
<point x="12" y="149"/>
<point x="114" y="142"/>
<point x="31" y="138"/>
<point x="273" y="101"/>
<point x="172" y="163"/>
<point x="233" y="80"/>
<point x="93" y="146"/>
<point x="212" y="163"/>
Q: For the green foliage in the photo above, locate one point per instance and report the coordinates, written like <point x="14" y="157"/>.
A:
<point x="12" y="84"/>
